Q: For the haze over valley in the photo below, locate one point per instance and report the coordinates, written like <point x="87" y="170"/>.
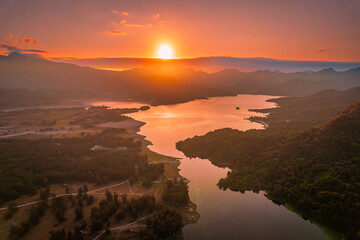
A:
<point x="164" y="120"/>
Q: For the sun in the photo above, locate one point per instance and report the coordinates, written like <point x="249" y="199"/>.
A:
<point x="165" y="51"/>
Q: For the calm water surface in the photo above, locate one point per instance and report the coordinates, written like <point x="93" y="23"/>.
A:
<point x="224" y="214"/>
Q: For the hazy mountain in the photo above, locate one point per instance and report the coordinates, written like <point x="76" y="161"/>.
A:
<point x="156" y="87"/>
<point x="162" y="84"/>
<point x="213" y="64"/>
<point x="10" y="98"/>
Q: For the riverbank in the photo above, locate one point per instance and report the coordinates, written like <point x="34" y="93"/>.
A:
<point x="283" y="161"/>
<point x="332" y="234"/>
<point x="61" y="120"/>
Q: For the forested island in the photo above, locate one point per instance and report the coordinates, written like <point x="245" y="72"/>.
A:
<point x="308" y="158"/>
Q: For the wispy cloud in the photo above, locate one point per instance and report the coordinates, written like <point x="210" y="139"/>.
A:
<point x="63" y="58"/>
<point x="13" y="44"/>
<point x="134" y="25"/>
<point x="29" y="41"/>
<point x="323" y="50"/>
<point x="9" y="47"/>
<point x="34" y="51"/>
<point x="116" y="32"/>
<point x="127" y="20"/>
<point x="124" y="13"/>
<point x="353" y="37"/>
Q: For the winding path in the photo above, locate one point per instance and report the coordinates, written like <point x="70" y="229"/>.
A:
<point x="126" y="226"/>
<point x="74" y="194"/>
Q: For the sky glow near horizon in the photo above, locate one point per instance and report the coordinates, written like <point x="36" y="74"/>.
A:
<point x="322" y="30"/>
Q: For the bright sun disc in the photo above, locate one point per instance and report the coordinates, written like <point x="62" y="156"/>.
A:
<point x="165" y="52"/>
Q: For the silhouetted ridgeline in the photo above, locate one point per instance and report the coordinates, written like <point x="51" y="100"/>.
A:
<point x="214" y="63"/>
<point x="316" y="170"/>
<point x="303" y="112"/>
<point x="161" y="84"/>
<point x="10" y="98"/>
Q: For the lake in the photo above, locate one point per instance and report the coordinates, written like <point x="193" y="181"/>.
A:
<point x="224" y="214"/>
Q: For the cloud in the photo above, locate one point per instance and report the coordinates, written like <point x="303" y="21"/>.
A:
<point x="64" y="58"/>
<point x="12" y="44"/>
<point x="29" y="41"/>
<point x="134" y="25"/>
<point x="323" y="50"/>
<point x="34" y="51"/>
<point x="124" y="13"/>
<point x="9" y="37"/>
<point x="345" y="38"/>
<point x="10" y="40"/>
<point x="116" y="32"/>
<point x="9" y="47"/>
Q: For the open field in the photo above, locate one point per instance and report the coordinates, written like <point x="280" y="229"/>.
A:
<point x="64" y="123"/>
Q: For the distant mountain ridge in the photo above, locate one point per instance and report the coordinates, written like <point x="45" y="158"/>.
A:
<point x="162" y="84"/>
<point x="10" y="98"/>
<point x="216" y="63"/>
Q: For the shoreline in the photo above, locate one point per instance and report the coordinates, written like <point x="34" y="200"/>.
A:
<point x="133" y="128"/>
<point x="192" y="206"/>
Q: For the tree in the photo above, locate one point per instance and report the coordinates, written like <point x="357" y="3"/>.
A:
<point x="58" y="235"/>
<point x="12" y="209"/>
<point x="59" y="208"/>
<point x="109" y="196"/>
<point x="124" y="198"/>
<point x="79" y="214"/>
<point x="165" y="224"/>
<point x="85" y="187"/>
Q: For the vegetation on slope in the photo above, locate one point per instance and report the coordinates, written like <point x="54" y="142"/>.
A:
<point x="317" y="170"/>
<point x="10" y="98"/>
<point x="26" y="165"/>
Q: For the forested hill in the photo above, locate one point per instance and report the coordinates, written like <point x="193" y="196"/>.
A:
<point x="304" y="112"/>
<point x="10" y="98"/>
<point x="316" y="170"/>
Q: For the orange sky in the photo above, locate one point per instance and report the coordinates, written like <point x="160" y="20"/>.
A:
<point x="324" y="30"/>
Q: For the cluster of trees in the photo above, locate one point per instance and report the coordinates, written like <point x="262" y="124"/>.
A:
<point x="48" y="123"/>
<point x="149" y="173"/>
<point x="121" y="208"/>
<point x="101" y="114"/>
<point x="165" y="224"/>
<point x="34" y="215"/>
<point x="26" y="165"/>
<point x="316" y="170"/>
<point x="69" y="235"/>
<point x="305" y="112"/>
<point x="176" y="192"/>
